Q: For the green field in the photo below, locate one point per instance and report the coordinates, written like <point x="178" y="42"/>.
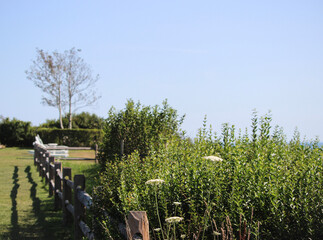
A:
<point x="26" y="210"/>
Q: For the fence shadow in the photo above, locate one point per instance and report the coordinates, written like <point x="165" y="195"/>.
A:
<point x="36" y="201"/>
<point x="14" y="231"/>
<point x="48" y="222"/>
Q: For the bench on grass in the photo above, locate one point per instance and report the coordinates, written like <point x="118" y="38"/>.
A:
<point x="53" y="148"/>
<point x="61" y="151"/>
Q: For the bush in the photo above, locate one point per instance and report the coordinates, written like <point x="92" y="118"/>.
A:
<point x="70" y="137"/>
<point x="16" y="133"/>
<point x="82" y="120"/>
<point x="260" y="175"/>
<point x="140" y="127"/>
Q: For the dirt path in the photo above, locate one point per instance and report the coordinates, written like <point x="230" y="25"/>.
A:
<point x="26" y="211"/>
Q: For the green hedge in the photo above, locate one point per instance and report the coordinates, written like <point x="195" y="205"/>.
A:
<point x="70" y="137"/>
<point x="16" y="133"/>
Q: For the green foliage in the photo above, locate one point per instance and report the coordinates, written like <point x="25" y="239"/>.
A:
<point x="142" y="128"/>
<point x="54" y="123"/>
<point x="70" y="137"/>
<point x="82" y="120"/>
<point x="278" y="183"/>
<point x="16" y="133"/>
<point x="88" y="121"/>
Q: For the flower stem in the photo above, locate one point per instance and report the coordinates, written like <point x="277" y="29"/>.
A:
<point x="160" y="225"/>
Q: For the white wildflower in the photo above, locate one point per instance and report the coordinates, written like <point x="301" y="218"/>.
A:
<point x="157" y="229"/>
<point x="177" y="203"/>
<point x="213" y="158"/>
<point x="155" y="182"/>
<point x="173" y="219"/>
<point x="183" y="236"/>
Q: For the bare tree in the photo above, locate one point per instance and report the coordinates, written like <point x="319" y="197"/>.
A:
<point x="65" y="79"/>
<point x="47" y="73"/>
<point x="79" y="83"/>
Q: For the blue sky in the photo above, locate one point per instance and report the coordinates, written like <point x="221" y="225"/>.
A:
<point x="216" y="58"/>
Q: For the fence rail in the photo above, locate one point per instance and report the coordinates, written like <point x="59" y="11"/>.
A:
<point x="66" y="192"/>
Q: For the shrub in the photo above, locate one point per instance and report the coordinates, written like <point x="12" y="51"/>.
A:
<point x="276" y="182"/>
<point x="16" y="133"/>
<point x="82" y="120"/>
<point x="140" y="127"/>
<point x="70" y="137"/>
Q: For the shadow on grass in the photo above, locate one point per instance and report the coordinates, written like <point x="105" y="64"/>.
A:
<point x="14" y="231"/>
<point x="42" y="222"/>
<point x="48" y="221"/>
<point x="36" y="201"/>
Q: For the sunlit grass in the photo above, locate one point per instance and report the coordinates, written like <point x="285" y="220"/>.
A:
<point x="26" y="210"/>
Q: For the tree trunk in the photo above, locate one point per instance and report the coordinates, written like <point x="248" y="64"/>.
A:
<point x="60" y="109"/>
<point x="70" y="125"/>
<point x="60" y="117"/>
<point x="70" y="117"/>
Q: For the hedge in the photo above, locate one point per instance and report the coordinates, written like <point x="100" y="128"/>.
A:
<point x="16" y="133"/>
<point x="70" y="137"/>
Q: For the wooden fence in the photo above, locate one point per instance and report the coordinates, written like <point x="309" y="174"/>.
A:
<point x="66" y="192"/>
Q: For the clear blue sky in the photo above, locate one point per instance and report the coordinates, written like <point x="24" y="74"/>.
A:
<point x="216" y="58"/>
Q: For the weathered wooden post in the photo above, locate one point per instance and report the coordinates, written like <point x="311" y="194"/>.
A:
<point x="138" y="223"/>
<point x="79" y="210"/>
<point x="35" y="154"/>
<point x="40" y="164"/>
<point x="67" y="195"/>
<point x="50" y="175"/>
<point x="46" y="166"/>
<point x="40" y="159"/>
<point x="96" y="152"/>
<point x="58" y="188"/>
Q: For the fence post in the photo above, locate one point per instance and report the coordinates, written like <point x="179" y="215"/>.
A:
<point x="43" y="168"/>
<point x="40" y="164"/>
<point x="50" y="175"/>
<point x="138" y="223"/>
<point x="46" y="165"/>
<point x="35" y="154"/>
<point x="96" y="152"/>
<point x="67" y="195"/>
<point x="79" y="210"/>
<point x="58" y="166"/>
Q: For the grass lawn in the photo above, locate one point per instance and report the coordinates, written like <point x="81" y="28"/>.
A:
<point x="85" y="167"/>
<point x="26" y="211"/>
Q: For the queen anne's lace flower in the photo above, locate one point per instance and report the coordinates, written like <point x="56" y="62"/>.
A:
<point x="173" y="219"/>
<point x="213" y="158"/>
<point x="154" y="182"/>
<point x="177" y="203"/>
